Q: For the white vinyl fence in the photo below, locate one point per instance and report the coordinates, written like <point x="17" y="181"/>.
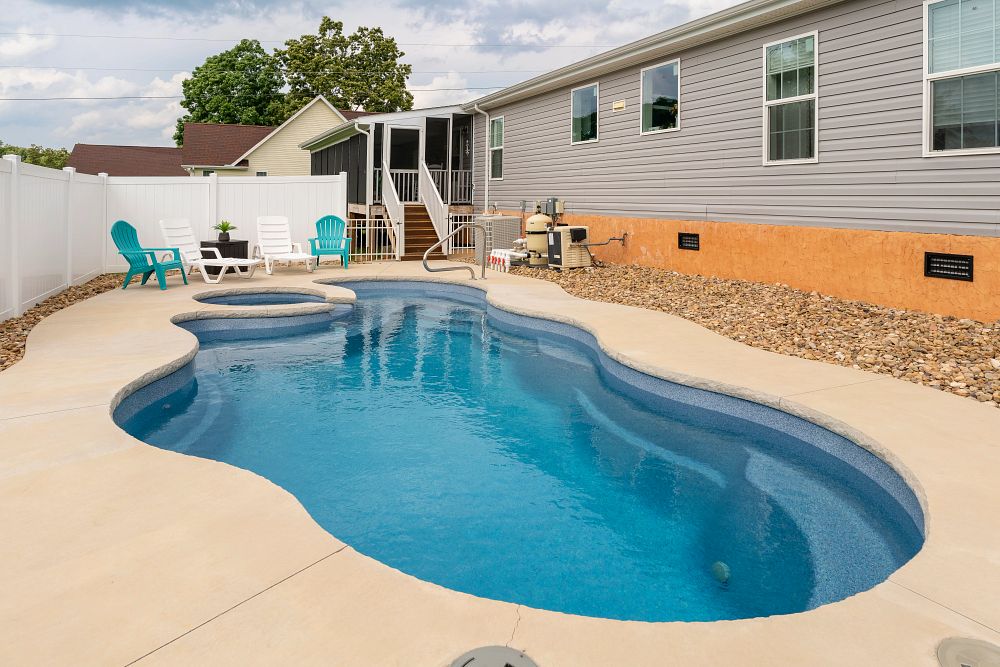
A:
<point x="55" y="225"/>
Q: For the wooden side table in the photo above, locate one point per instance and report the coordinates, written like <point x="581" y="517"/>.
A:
<point x="236" y="249"/>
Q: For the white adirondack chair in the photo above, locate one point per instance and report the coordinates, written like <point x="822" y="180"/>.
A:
<point x="177" y="234"/>
<point x="274" y="244"/>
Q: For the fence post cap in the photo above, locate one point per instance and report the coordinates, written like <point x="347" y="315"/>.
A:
<point x="13" y="157"/>
<point x="73" y="169"/>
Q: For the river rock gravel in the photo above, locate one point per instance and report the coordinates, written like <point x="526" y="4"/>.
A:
<point x="14" y="331"/>
<point x="960" y="356"/>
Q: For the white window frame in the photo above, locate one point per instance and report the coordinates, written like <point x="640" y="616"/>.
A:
<point x="642" y="73"/>
<point x="596" y="85"/>
<point x="789" y="100"/>
<point x="490" y="149"/>
<point x="928" y="118"/>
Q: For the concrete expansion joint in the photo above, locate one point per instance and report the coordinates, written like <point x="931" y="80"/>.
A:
<point x="52" y="412"/>
<point x="892" y="580"/>
<point x="834" y="386"/>
<point x="237" y="605"/>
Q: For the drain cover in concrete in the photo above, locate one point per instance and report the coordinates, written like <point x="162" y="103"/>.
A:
<point x="962" y="652"/>
<point x="494" y="656"/>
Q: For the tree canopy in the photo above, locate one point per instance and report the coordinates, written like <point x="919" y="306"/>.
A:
<point x="54" y="158"/>
<point x="242" y="85"/>
<point x="356" y="71"/>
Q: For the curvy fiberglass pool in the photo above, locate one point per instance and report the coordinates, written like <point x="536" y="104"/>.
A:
<point x="506" y="457"/>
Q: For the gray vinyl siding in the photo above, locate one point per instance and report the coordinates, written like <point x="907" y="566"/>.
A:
<point x="870" y="175"/>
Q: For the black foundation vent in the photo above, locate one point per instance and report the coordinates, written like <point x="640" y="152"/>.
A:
<point x="943" y="265"/>
<point x="687" y="241"/>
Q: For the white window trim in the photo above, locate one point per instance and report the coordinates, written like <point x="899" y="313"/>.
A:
<point x="490" y="149"/>
<point x="788" y="100"/>
<point x="642" y="73"/>
<point x="597" y="85"/>
<point x="928" y="118"/>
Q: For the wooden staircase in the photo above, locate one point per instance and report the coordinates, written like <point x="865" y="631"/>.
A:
<point x="420" y="234"/>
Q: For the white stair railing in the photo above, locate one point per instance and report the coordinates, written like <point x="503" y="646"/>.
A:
<point x="396" y="213"/>
<point x="406" y="183"/>
<point x="432" y="201"/>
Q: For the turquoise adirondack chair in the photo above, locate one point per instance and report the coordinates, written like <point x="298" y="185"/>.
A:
<point x="143" y="260"/>
<point x="330" y="239"/>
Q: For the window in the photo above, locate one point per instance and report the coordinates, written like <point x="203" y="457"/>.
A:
<point x="584" y="108"/>
<point x="962" y="76"/>
<point x="207" y="172"/>
<point x="661" y="97"/>
<point x="790" y="109"/>
<point x="262" y="173"/>
<point x="496" y="148"/>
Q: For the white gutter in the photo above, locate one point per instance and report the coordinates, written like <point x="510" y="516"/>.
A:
<point x="486" y="162"/>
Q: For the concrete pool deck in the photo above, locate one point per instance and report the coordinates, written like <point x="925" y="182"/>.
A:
<point x="117" y="552"/>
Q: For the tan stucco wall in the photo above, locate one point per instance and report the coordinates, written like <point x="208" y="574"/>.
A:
<point x="885" y="268"/>
<point x="280" y="155"/>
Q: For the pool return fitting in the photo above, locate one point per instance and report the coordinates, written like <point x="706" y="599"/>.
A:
<point x="472" y="272"/>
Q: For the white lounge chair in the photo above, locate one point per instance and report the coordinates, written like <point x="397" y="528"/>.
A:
<point x="177" y="234"/>
<point x="274" y="244"/>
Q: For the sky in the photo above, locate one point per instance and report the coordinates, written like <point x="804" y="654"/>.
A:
<point x="459" y="50"/>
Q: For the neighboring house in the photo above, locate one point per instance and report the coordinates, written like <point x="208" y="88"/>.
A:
<point x="255" y="150"/>
<point x="218" y="148"/>
<point x="435" y="141"/>
<point x="126" y="160"/>
<point x="828" y="145"/>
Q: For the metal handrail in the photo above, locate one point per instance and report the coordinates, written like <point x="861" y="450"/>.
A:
<point x="440" y="243"/>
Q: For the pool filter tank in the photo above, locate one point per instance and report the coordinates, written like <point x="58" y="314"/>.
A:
<point x="535" y="232"/>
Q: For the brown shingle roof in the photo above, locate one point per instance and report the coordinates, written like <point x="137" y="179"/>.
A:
<point x="126" y="160"/>
<point x="217" y="144"/>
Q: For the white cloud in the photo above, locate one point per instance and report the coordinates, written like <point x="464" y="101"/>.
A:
<point x="450" y="88"/>
<point x="120" y="122"/>
<point x="16" y="46"/>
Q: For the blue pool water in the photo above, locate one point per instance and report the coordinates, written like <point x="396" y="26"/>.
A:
<point x="261" y="299"/>
<point x="505" y="457"/>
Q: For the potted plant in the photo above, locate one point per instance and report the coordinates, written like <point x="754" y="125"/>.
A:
<point x="224" y="228"/>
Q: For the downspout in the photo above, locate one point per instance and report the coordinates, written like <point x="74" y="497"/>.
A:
<point x="486" y="162"/>
<point x="370" y="172"/>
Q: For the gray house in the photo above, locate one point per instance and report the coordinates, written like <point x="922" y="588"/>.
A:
<point x="826" y="144"/>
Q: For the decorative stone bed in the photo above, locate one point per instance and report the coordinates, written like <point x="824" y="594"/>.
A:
<point x="956" y="355"/>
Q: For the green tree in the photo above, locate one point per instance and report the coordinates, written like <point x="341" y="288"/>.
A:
<point x="357" y="71"/>
<point x="241" y="85"/>
<point x="54" y="158"/>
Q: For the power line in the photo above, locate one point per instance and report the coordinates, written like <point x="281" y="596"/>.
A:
<point x="178" y="97"/>
<point x="119" y="97"/>
<point x="282" y="41"/>
<point x="324" y="71"/>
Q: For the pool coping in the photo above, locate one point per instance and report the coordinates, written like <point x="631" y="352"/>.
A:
<point x="265" y="573"/>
